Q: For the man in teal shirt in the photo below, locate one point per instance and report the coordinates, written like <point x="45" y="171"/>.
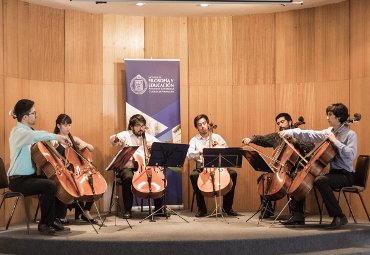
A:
<point x="22" y="174"/>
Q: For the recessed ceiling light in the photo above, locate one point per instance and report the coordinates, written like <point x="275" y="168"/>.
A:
<point x="204" y="5"/>
<point x="140" y="4"/>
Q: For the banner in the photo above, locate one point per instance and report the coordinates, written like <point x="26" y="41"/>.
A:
<point x="153" y="90"/>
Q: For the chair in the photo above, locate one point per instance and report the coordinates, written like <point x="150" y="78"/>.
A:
<point x="359" y="185"/>
<point x="11" y="194"/>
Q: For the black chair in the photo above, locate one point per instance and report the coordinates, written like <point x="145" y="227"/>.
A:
<point x="11" y="194"/>
<point x="359" y="185"/>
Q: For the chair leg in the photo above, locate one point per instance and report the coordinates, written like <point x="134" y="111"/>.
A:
<point x="36" y="212"/>
<point x="350" y="208"/>
<point x="363" y="204"/>
<point x="26" y="206"/>
<point x="318" y="204"/>
<point x="192" y="202"/>
<point x="12" y="213"/>
<point x="111" y="198"/>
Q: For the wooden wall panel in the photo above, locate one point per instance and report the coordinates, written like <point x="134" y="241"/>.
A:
<point x="210" y="51"/>
<point x="295" y="50"/>
<point x="46" y="43"/>
<point x="331" y="42"/>
<point x="359" y="99"/>
<point x="360" y="37"/>
<point x="254" y="49"/>
<point x="49" y="102"/>
<point x="166" y="38"/>
<point x="83" y="47"/>
<point x="16" y="39"/>
<point x="123" y="37"/>
<point x="1" y="39"/>
<point x="253" y="113"/>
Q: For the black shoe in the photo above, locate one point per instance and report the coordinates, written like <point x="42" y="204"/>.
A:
<point x="200" y="214"/>
<point x="127" y="215"/>
<point x="232" y="213"/>
<point x="293" y="222"/>
<point x="338" y="221"/>
<point x="84" y="218"/>
<point x="58" y="226"/>
<point x="46" y="229"/>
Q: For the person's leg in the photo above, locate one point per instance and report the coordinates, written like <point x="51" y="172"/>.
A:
<point x="202" y="209"/>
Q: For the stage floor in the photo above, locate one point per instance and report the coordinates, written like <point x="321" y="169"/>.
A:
<point x="232" y="235"/>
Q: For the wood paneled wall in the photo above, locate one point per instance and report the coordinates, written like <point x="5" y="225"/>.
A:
<point x="240" y="71"/>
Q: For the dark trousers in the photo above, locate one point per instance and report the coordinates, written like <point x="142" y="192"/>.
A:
<point x="228" y="198"/>
<point x="126" y="177"/>
<point x="33" y="185"/>
<point x="333" y="180"/>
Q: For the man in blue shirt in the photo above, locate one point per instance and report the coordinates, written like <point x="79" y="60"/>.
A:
<point x="344" y="141"/>
<point x="22" y="174"/>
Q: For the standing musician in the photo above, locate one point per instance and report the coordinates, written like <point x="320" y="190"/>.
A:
<point x="197" y="143"/>
<point x="22" y="174"/>
<point x="63" y="125"/>
<point x="344" y="141"/>
<point x="284" y="122"/>
<point x="133" y="137"/>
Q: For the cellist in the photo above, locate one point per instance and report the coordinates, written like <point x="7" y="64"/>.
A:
<point x="133" y="137"/>
<point x="283" y="121"/>
<point x="344" y="141"/>
<point x="22" y="174"/>
<point x="63" y="125"/>
<point x="197" y="144"/>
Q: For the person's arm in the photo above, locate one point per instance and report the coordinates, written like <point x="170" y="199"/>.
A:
<point x="82" y="144"/>
<point x="117" y="139"/>
<point x="313" y="136"/>
<point x="193" y="151"/>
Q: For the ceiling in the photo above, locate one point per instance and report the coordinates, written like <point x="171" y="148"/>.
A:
<point x="173" y="8"/>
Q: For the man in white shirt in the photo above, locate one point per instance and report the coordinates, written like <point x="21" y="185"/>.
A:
<point x="133" y="137"/>
<point x="197" y="143"/>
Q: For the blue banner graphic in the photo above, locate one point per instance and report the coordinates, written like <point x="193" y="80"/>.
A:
<point x="153" y="90"/>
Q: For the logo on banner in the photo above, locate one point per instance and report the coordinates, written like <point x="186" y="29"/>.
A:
<point x="138" y="85"/>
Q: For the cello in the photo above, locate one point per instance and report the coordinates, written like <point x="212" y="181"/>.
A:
<point x="48" y="160"/>
<point x="90" y="182"/>
<point x="321" y="157"/>
<point x="214" y="181"/>
<point x="274" y="186"/>
<point x="147" y="181"/>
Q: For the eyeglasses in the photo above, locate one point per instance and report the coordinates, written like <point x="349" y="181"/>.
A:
<point x="280" y="122"/>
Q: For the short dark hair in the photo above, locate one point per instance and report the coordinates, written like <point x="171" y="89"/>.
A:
<point x="21" y="108"/>
<point x="137" y="118"/>
<point x="200" y="116"/>
<point x="61" y="119"/>
<point x="339" y="110"/>
<point x="285" y="115"/>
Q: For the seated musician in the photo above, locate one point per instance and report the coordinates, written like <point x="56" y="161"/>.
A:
<point x="283" y="121"/>
<point x="197" y="143"/>
<point x="63" y="125"/>
<point x="22" y="174"/>
<point x="133" y="137"/>
<point x="341" y="171"/>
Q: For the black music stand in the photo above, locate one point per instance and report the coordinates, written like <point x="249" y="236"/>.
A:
<point x="117" y="164"/>
<point x="167" y="155"/>
<point x="260" y="165"/>
<point x="221" y="158"/>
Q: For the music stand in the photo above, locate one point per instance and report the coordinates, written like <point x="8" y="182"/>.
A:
<point x="167" y="155"/>
<point x="260" y="165"/>
<point x="117" y="164"/>
<point x="221" y="158"/>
